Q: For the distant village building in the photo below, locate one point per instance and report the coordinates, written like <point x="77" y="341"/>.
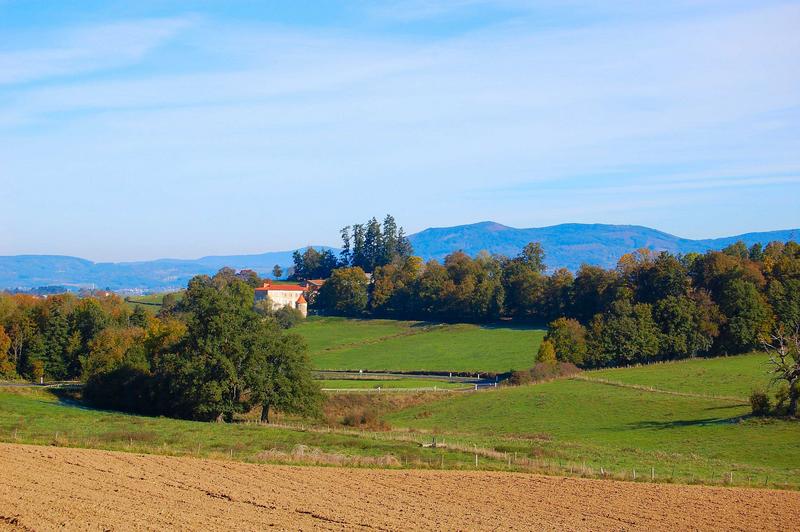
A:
<point x="283" y="295"/>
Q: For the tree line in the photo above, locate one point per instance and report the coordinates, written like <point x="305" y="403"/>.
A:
<point x="663" y="307"/>
<point x="209" y="355"/>
<point x="53" y="337"/>
<point x="462" y="288"/>
<point x="652" y="306"/>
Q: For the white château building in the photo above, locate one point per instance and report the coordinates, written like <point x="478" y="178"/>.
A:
<point x="283" y="295"/>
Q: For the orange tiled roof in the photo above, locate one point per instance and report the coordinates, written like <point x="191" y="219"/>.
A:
<point x="281" y="288"/>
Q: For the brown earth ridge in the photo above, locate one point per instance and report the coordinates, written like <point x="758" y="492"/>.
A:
<point x="47" y="488"/>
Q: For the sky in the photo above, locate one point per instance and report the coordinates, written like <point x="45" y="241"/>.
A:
<point x="147" y="129"/>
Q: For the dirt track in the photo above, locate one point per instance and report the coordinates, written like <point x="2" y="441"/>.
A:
<point x="48" y="487"/>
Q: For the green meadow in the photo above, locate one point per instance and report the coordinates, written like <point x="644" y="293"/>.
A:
<point x="671" y="427"/>
<point x="325" y="334"/>
<point x="37" y="416"/>
<point x="734" y="376"/>
<point x="150" y="302"/>
<point x="388" y="345"/>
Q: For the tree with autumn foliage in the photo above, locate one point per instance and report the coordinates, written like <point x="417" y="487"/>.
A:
<point x="7" y="369"/>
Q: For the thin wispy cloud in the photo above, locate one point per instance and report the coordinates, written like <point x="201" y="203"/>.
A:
<point x="409" y="10"/>
<point x="191" y="109"/>
<point x="88" y="49"/>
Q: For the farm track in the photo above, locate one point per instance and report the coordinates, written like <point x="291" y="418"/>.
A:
<point x="45" y="488"/>
<point x="642" y="388"/>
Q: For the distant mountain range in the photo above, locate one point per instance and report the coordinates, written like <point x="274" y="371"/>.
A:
<point x="565" y="245"/>
<point x="570" y="245"/>
<point x="29" y="271"/>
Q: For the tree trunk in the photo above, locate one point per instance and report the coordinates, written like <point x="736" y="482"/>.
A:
<point x="265" y="412"/>
<point x="794" y="395"/>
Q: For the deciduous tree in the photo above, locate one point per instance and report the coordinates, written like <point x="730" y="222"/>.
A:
<point x="568" y="338"/>
<point x="345" y="292"/>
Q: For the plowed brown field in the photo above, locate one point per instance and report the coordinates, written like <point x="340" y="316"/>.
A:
<point x="45" y="488"/>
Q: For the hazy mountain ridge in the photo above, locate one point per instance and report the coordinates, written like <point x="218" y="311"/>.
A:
<point x="28" y="271"/>
<point x="565" y="245"/>
<point x="570" y="245"/>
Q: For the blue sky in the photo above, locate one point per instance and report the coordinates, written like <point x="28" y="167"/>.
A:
<point x="137" y="130"/>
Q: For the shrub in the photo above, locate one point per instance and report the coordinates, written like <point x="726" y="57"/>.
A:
<point x="547" y="353"/>
<point x="543" y="371"/>
<point x="782" y="397"/>
<point x="520" y="377"/>
<point x="367" y="418"/>
<point x="287" y="317"/>
<point x="759" y="402"/>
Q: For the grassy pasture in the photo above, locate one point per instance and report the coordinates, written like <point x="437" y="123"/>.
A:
<point x="151" y="299"/>
<point x="327" y="334"/>
<point x="150" y="302"/>
<point x="36" y="416"/>
<point x="624" y="428"/>
<point x="338" y="343"/>
<point x="734" y="376"/>
<point x="562" y="427"/>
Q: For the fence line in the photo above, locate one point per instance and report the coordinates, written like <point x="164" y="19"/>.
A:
<point x="470" y="388"/>
<point x="716" y="475"/>
<point x="393" y="390"/>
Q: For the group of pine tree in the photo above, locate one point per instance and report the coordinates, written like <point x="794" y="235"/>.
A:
<point x="366" y="246"/>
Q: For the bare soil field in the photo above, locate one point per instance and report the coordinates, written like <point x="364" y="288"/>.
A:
<point x="45" y="488"/>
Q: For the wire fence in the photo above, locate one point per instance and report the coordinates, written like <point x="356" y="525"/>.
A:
<point x="469" y="388"/>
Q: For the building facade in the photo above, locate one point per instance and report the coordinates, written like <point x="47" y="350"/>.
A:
<point x="283" y="295"/>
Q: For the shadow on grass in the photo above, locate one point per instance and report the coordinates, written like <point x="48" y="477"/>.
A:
<point x="500" y="325"/>
<point x="725" y="407"/>
<point x="678" y="423"/>
<point x="515" y="326"/>
<point x="72" y="398"/>
<point x="425" y="324"/>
